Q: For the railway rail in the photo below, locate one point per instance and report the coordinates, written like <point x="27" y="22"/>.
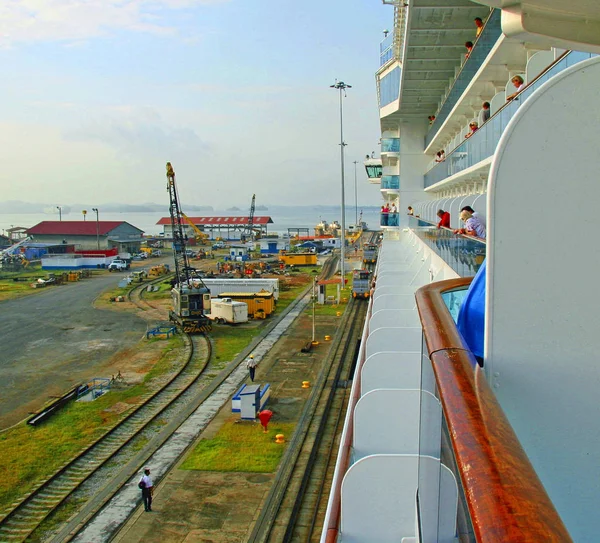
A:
<point x="290" y="512"/>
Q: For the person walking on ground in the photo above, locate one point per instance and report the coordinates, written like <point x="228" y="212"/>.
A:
<point x="251" y="365"/>
<point x="147" y="488"/>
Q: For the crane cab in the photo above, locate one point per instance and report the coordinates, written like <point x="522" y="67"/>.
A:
<point x="190" y="303"/>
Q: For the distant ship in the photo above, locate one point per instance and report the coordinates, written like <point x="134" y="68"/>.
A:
<point x="233" y="209"/>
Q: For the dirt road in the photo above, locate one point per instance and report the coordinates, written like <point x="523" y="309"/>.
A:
<point x="56" y="339"/>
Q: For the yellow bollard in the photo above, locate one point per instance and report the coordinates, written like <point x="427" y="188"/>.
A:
<point x="315" y="343"/>
<point x="305" y="384"/>
<point x="327" y="338"/>
<point x="279" y="438"/>
<point x="338" y="314"/>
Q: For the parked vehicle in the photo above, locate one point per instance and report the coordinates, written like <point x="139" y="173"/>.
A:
<point x="118" y="265"/>
<point x="156" y="252"/>
<point x="219" y="245"/>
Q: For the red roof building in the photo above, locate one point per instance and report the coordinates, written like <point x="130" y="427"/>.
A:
<point x="88" y="235"/>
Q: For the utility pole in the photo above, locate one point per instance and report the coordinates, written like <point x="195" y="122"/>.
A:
<point x="95" y="210"/>
<point x="341" y="86"/>
<point x="355" y="195"/>
<point x="59" y="213"/>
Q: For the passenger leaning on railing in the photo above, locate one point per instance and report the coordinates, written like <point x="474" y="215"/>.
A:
<point x="474" y="126"/>
<point x="473" y="225"/>
<point x="444" y="219"/>
<point x="518" y="82"/>
<point x="484" y="114"/>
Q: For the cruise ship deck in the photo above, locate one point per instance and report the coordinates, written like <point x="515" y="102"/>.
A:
<point x="441" y="444"/>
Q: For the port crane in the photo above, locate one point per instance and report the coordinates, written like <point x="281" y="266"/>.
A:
<point x="253" y="233"/>
<point x="201" y="237"/>
<point x="190" y="296"/>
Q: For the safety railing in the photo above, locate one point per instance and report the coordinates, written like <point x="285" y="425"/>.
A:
<point x="482" y="144"/>
<point x="501" y="496"/>
<point x="464" y="254"/>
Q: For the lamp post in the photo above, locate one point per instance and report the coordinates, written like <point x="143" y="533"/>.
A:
<point x="341" y="86"/>
<point x="355" y="196"/>
<point x="59" y="213"/>
<point x="95" y="210"/>
<point x="84" y="214"/>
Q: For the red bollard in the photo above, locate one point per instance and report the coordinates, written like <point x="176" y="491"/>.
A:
<point x="264" y="417"/>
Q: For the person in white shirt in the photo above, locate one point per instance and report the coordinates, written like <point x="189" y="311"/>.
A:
<point x="147" y="488"/>
<point x="251" y="365"/>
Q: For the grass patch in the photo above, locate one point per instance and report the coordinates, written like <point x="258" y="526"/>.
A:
<point x="30" y="454"/>
<point x="228" y="342"/>
<point x="164" y="291"/>
<point x="240" y="447"/>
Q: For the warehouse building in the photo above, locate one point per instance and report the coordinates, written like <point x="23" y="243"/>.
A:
<point x="90" y="235"/>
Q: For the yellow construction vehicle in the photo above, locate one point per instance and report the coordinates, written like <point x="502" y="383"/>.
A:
<point x="157" y="271"/>
<point x="201" y="237"/>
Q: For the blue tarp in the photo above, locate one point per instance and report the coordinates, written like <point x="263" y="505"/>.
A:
<point x="471" y="318"/>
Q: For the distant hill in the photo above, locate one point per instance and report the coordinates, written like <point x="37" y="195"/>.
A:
<point x="17" y="206"/>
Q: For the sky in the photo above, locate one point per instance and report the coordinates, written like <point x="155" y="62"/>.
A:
<point x="97" y="95"/>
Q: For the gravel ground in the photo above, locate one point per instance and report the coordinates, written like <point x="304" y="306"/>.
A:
<point x="56" y="339"/>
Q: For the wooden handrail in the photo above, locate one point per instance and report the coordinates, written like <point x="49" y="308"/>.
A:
<point x="506" y="500"/>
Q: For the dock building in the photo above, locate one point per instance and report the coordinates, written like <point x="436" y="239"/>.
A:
<point x="89" y="235"/>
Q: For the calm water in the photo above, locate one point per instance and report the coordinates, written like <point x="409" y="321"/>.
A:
<point x="284" y="217"/>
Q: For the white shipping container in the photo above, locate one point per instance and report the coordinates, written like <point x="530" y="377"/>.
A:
<point x="216" y="286"/>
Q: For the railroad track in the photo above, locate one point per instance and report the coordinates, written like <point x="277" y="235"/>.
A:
<point x="27" y="515"/>
<point x="301" y="484"/>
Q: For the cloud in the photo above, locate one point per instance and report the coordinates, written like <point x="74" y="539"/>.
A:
<point x="137" y="134"/>
<point x="75" y="20"/>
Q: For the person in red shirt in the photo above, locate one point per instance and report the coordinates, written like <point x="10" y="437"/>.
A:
<point x="444" y="219"/>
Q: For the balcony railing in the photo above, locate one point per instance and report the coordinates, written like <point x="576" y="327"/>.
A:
<point x="464" y="254"/>
<point x="501" y="496"/>
<point x="390" y="145"/>
<point x="386" y="49"/>
<point x="482" y="144"/>
<point x="390" y="182"/>
<point x="486" y="40"/>
<point x="389" y="219"/>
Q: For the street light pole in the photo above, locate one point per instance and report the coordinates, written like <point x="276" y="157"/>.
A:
<point x="95" y="210"/>
<point x="59" y="213"/>
<point x="355" y="195"/>
<point x="341" y="86"/>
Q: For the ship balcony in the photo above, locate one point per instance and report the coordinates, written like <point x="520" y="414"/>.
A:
<point x="374" y="170"/>
<point x="390" y="147"/>
<point x="482" y="144"/>
<point x="390" y="184"/>
<point x="389" y="220"/>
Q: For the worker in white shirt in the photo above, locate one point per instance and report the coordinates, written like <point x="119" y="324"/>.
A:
<point x="251" y="365"/>
<point x="147" y="488"/>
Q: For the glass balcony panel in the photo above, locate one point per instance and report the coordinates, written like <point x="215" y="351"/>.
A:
<point x="390" y="145"/>
<point x="389" y="219"/>
<point x="464" y="254"/>
<point x="390" y="182"/>
<point x="482" y="144"/>
<point x="389" y="87"/>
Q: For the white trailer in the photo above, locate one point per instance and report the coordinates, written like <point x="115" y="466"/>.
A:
<point x="225" y="310"/>
<point x="216" y="286"/>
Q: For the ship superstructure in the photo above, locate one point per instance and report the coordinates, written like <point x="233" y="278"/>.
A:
<point x="493" y="109"/>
